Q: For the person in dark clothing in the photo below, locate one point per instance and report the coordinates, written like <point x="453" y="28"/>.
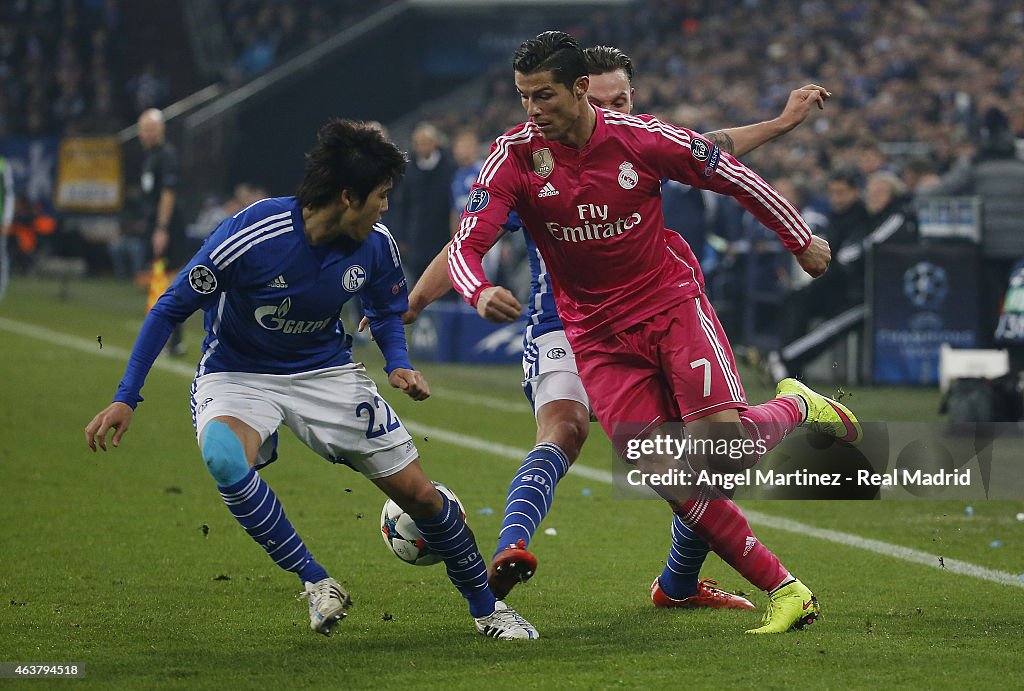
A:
<point x="996" y="175"/>
<point x="158" y="185"/>
<point x="855" y="225"/>
<point x="424" y="201"/>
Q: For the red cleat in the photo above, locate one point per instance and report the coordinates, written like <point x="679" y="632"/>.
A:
<point x="707" y="596"/>
<point x="510" y="566"/>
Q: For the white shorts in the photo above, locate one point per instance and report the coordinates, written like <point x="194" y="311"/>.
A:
<point x="549" y="371"/>
<point x="337" y="412"/>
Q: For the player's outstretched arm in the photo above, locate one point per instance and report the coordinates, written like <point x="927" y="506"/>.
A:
<point x="411" y="382"/>
<point x="742" y="140"/>
<point x="431" y="286"/>
<point x="816" y="258"/>
<point x="117" y="417"/>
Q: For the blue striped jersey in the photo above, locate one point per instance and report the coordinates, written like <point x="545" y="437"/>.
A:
<point x="542" y="314"/>
<point x="272" y="301"/>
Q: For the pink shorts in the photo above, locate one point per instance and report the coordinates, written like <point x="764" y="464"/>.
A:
<point x="675" y="366"/>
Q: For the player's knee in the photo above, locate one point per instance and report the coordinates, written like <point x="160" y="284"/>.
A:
<point x="568" y="434"/>
<point x="224" y="454"/>
<point x="423" y="501"/>
<point x="567" y="428"/>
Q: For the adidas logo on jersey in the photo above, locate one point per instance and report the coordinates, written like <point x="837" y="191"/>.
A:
<point x="751" y="541"/>
<point x="548" y="190"/>
<point x="278" y="282"/>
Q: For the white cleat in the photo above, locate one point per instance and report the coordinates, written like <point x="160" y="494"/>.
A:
<point x="328" y="604"/>
<point x="506" y="624"/>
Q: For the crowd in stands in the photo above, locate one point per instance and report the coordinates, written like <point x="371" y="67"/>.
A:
<point x="62" y="72"/>
<point x="263" y="32"/>
<point x="912" y="83"/>
<point x="59" y="67"/>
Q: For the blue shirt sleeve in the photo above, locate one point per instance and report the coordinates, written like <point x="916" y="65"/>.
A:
<point x="198" y="286"/>
<point x="513" y="223"/>
<point x="385" y="298"/>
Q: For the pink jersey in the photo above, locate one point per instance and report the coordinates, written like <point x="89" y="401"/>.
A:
<point x="595" y="214"/>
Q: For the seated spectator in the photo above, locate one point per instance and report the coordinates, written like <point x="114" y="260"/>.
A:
<point x="838" y="296"/>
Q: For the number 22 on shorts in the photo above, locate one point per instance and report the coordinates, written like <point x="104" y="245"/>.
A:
<point x="373" y="429"/>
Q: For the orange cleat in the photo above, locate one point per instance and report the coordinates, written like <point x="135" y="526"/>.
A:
<point x="707" y="596"/>
<point x="511" y="566"/>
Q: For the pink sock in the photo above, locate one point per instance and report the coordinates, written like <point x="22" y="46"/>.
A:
<point x="722" y="525"/>
<point x="770" y="422"/>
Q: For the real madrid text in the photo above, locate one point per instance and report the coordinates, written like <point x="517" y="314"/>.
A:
<point x="753" y="477"/>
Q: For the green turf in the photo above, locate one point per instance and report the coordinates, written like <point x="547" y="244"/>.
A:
<point x="128" y="564"/>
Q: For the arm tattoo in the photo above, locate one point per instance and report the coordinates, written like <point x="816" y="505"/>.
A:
<point x="722" y="140"/>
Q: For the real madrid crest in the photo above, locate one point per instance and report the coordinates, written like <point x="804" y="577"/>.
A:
<point x="543" y="162"/>
<point x="627" y="176"/>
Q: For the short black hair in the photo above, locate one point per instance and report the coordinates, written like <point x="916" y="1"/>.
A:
<point x="845" y="174"/>
<point x="605" y="59"/>
<point x="349" y="155"/>
<point x="556" y="51"/>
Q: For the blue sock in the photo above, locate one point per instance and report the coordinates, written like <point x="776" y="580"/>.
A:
<point x="448" y="535"/>
<point x="679" y="579"/>
<point x="531" y="492"/>
<point x="255" y="506"/>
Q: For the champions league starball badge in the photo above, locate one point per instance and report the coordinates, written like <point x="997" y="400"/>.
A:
<point x="202" y="280"/>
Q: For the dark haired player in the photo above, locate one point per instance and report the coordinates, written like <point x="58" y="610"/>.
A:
<point x="272" y="280"/>
<point x="586" y="183"/>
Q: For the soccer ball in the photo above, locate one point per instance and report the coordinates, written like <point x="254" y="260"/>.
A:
<point x="403" y="538"/>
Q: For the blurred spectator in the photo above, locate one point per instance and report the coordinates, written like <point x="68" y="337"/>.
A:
<point x="870" y="158"/>
<point x="995" y="175"/>
<point x="847" y="214"/>
<point x="213" y="211"/>
<point x="31" y="229"/>
<point x="838" y="296"/>
<point x="918" y="172"/>
<point x="148" y="89"/>
<point x="421" y="224"/>
<point x="466" y="151"/>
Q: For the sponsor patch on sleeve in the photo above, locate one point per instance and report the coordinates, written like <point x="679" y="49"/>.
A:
<point x="713" y="158"/>
<point x="479" y="198"/>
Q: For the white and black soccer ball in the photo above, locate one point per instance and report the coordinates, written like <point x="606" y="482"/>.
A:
<point x="402" y="536"/>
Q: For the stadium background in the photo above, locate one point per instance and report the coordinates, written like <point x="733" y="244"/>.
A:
<point x="127" y="564"/>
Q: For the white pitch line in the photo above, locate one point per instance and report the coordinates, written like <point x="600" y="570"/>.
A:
<point x="476" y="444"/>
<point x="501" y="404"/>
<point x="877" y="546"/>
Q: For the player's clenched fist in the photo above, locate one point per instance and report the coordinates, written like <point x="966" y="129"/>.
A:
<point x="498" y="304"/>
<point x="815" y="259"/>
<point x="411" y="382"/>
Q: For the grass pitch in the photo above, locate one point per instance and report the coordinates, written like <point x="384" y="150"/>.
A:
<point x="128" y="564"/>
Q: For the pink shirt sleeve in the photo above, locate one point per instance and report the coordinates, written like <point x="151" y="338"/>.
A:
<point x="685" y="156"/>
<point x="491" y="198"/>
